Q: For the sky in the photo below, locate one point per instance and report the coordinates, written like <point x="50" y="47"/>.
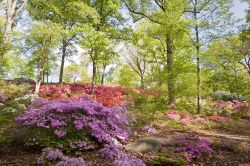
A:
<point x="239" y="9"/>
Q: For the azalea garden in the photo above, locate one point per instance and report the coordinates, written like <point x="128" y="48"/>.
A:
<point x="124" y="83"/>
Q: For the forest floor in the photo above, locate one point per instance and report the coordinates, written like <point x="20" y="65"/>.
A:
<point x="238" y="154"/>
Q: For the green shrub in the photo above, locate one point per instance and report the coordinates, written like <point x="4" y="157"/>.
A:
<point x="13" y="90"/>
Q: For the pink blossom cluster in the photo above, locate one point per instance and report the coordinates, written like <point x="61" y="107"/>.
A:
<point x="217" y="118"/>
<point x="184" y="118"/>
<point x="173" y="114"/>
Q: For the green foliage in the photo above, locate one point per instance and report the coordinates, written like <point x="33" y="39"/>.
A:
<point x="13" y="90"/>
<point x="165" y="158"/>
<point x="71" y="76"/>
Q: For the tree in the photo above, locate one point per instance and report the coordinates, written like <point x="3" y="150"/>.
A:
<point x="68" y="14"/>
<point x="71" y="76"/>
<point x="42" y="38"/>
<point x="207" y="17"/>
<point x="168" y="22"/>
<point x="226" y="62"/>
<point x="12" y="10"/>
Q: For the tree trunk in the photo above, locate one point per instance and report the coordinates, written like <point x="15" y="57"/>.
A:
<point x="170" y="81"/>
<point x="103" y="74"/>
<point x="38" y="81"/>
<point x="197" y="46"/>
<point x="94" y="76"/>
<point x="142" y="82"/>
<point x="64" y="49"/>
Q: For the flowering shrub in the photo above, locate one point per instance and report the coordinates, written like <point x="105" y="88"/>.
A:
<point x="110" y="151"/>
<point x="173" y="114"/>
<point x="219" y="118"/>
<point x="149" y="129"/>
<point x="191" y="145"/>
<point x="186" y="119"/>
<point x="3" y="98"/>
<point x="128" y="161"/>
<point x="71" y="161"/>
<point x="75" y="121"/>
<point x="13" y="90"/>
<point x="120" y="157"/>
<point x="56" y="157"/>
<point x="108" y="96"/>
<point x="198" y="119"/>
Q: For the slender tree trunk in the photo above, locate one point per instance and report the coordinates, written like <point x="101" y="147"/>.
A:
<point x="103" y="74"/>
<point x="64" y="49"/>
<point x="170" y="81"/>
<point x="142" y="81"/>
<point x="94" y="76"/>
<point x="197" y="46"/>
<point x="47" y="77"/>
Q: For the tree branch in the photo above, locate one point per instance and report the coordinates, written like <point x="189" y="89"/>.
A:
<point x="142" y="14"/>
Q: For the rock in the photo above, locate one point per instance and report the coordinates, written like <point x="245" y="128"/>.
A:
<point x="149" y="144"/>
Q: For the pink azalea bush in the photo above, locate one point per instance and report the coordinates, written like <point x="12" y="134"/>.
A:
<point x="217" y="118"/>
<point x="186" y="119"/>
<point x="173" y="114"/>
<point x="3" y="98"/>
<point x="198" y="119"/>
<point x="75" y="123"/>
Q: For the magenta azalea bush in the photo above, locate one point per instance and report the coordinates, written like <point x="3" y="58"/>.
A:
<point x="120" y="158"/>
<point x="56" y="157"/>
<point x="75" y="124"/>
<point x="191" y="145"/>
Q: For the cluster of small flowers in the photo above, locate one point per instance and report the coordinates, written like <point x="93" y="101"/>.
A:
<point x="120" y="158"/>
<point x="25" y="97"/>
<point x="217" y="118"/>
<point x="235" y="105"/>
<point x="56" y="157"/>
<point x="184" y="118"/>
<point x="108" y="96"/>
<point x="191" y="145"/>
<point x="84" y="115"/>
<point x="149" y="129"/>
<point x="173" y="114"/>
<point x="3" y="98"/>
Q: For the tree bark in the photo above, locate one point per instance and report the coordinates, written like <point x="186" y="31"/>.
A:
<point x="198" y="68"/>
<point x="170" y="80"/>
<point x="64" y="49"/>
<point x="94" y="76"/>
<point x="103" y="74"/>
<point x="38" y="81"/>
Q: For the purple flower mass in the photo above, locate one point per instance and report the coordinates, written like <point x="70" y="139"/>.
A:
<point x="85" y="115"/>
<point x="112" y="152"/>
<point x="191" y="145"/>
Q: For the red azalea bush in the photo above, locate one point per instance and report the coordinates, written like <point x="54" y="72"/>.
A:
<point x="107" y="95"/>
